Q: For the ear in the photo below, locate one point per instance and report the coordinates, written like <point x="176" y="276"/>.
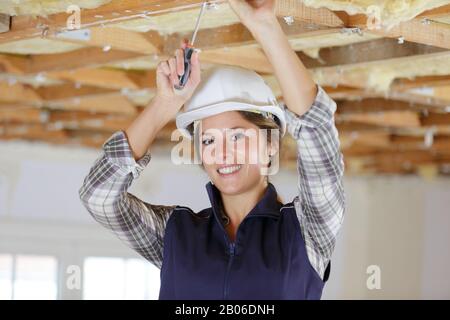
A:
<point x="273" y="148"/>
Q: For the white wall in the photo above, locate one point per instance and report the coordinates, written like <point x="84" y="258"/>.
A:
<point x="401" y="224"/>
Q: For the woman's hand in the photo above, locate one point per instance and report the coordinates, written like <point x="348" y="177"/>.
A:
<point x="165" y="104"/>
<point x="253" y="13"/>
<point x="167" y="76"/>
<point x="296" y="83"/>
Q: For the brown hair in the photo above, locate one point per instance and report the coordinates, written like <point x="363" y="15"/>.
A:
<point x="259" y="120"/>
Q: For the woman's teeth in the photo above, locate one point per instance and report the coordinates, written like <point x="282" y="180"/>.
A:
<point x="229" y="170"/>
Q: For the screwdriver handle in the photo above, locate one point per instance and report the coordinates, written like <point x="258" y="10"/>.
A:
<point x="187" y="68"/>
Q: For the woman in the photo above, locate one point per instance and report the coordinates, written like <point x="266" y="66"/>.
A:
<point x="247" y="245"/>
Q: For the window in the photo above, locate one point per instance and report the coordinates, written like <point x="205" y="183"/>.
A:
<point x="35" y="277"/>
<point x="6" y="262"/>
<point x="28" y="277"/>
<point x="117" y="278"/>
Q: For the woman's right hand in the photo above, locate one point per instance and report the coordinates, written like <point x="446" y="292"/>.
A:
<point x="167" y="75"/>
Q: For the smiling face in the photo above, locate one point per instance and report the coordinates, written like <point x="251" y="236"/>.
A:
<point x="234" y="154"/>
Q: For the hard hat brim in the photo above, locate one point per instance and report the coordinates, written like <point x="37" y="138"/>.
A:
<point x="184" y="119"/>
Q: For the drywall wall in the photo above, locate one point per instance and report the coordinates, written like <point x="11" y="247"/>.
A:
<point x="397" y="223"/>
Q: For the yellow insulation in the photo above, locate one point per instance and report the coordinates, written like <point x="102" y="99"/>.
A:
<point x="45" y="7"/>
<point x="391" y="12"/>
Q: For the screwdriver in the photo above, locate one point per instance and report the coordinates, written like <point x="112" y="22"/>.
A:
<point x="188" y="51"/>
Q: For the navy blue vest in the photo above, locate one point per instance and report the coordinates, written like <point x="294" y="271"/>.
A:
<point x="268" y="259"/>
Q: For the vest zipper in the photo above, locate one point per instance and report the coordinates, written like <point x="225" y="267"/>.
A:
<point x="231" y="249"/>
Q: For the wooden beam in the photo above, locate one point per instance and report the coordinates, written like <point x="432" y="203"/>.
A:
<point x="398" y="119"/>
<point x="21" y="114"/>
<point x="238" y="35"/>
<point x="250" y="57"/>
<point x="428" y="32"/>
<point x="371" y="105"/>
<point x="442" y="92"/>
<point x="40" y="133"/>
<point x="108" y="103"/>
<point x="349" y="93"/>
<point x="105" y="78"/>
<point x="420" y="82"/>
<point x="378" y="139"/>
<point x="208" y="39"/>
<point x="368" y="51"/>
<point x="439" y="144"/>
<point x="76" y="59"/>
<point x="436" y="119"/>
<point x="18" y="93"/>
<point x="31" y="132"/>
<point x="297" y="10"/>
<point x="100" y="122"/>
<point x="417" y="30"/>
<point x="405" y="158"/>
<point x="13" y="64"/>
<point x="443" y="11"/>
<point x="69" y="90"/>
<point x="117" y="38"/>
<point x="24" y="27"/>
<point x="434" y="102"/>
<point x="5" y="22"/>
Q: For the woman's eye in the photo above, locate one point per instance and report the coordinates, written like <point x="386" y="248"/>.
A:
<point x="207" y="141"/>
<point x="237" y="136"/>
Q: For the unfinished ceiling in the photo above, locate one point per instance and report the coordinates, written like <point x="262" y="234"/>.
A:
<point x="392" y="84"/>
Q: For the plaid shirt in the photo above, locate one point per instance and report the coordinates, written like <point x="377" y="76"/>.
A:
<point x="319" y="204"/>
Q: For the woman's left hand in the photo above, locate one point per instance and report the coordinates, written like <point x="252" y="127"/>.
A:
<point x="253" y="12"/>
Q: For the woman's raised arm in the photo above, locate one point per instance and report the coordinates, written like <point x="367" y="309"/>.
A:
<point x="104" y="192"/>
<point x="310" y="116"/>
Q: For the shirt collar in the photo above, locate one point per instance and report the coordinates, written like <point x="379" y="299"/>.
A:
<point x="267" y="206"/>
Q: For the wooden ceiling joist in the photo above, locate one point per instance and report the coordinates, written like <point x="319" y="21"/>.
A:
<point x="114" y="102"/>
<point x="438" y="12"/>
<point x="402" y="84"/>
<point x="24" y="27"/>
<point x="368" y="51"/>
<point x="395" y="119"/>
<point x="371" y="105"/>
<point x="88" y="121"/>
<point x="116" y="38"/>
<point x="426" y="32"/>
<point x="21" y="115"/>
<point x="18" y="92"/>
<point x="107" y="78"/>
<point x="62" y="61"/>
<point x="420" y="30"/>
<point x="69" y="90"/>
<point x="391" y="85"/>
<point x="5" y="21"/>
<point x="76" y="59"/>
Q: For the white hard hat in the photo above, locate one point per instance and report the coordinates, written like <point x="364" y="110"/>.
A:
<point x="229" y="88"/>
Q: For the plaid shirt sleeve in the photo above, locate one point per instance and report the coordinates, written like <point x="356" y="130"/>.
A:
<point x="320" y="204"/>
<point x="138" y="224"/>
